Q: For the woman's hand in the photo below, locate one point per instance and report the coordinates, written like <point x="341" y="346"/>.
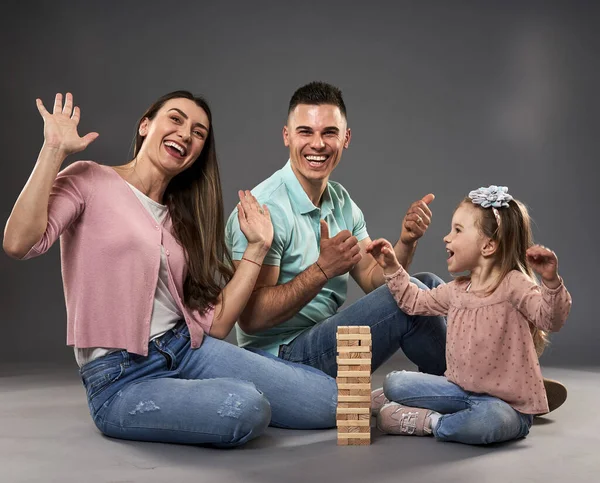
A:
<point x="60" y="127"/>
<point x="544" y="262"/>
<point x="383" y="253"/>
<point x="255" y="221"/>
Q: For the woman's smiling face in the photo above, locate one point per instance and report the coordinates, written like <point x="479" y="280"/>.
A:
<point x="175" y="136"/>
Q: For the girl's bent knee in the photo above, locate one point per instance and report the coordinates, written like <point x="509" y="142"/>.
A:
<point x="394" y="382"/>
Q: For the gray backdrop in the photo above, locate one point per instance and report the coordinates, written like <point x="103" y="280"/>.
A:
<point x="442" y="97"/>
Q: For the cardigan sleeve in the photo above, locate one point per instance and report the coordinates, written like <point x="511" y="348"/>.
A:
<point x="70" y="192"/>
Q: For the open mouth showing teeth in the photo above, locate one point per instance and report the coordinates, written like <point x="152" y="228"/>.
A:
<point x="316" y="160"/>
<point x="175" y="149"/>
<point x="450" y="253"/>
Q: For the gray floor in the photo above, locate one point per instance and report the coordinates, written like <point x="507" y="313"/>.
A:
<point x="46" y="435"/>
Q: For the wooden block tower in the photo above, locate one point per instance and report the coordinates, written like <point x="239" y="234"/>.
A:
<point x="354" y="385"/>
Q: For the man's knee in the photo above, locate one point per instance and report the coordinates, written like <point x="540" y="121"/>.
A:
<point x="430" y="280"/>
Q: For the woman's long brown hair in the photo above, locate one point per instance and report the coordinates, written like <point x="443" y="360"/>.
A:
<point x="195" y="203"/>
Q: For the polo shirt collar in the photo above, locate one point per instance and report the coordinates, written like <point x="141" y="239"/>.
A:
<point x="299" y="196"/>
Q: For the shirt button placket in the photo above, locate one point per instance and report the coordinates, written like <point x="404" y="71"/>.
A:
<point x="157" y="228"/>
<point x="316" y="216"/>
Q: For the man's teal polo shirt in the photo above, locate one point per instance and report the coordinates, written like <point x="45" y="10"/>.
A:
<point x="296" y="241"/>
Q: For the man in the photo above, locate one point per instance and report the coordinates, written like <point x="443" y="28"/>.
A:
<point x="320" y="238"/>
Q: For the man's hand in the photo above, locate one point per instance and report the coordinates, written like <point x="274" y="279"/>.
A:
<point x="338" y="254"/>
<point x="417" y="220"/>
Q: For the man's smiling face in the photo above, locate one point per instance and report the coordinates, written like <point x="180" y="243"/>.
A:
<point x="316" y="136"/>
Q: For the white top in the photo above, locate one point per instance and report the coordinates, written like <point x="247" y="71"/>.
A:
<point x="165" y="313"/>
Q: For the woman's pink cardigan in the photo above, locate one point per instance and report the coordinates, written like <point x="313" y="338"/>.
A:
<point x="110" y="255"/>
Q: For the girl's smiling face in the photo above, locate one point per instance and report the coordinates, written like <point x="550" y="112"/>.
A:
<point x="465" y="241"/>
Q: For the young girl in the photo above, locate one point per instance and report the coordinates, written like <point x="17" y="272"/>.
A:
<point x="497" y="316"/>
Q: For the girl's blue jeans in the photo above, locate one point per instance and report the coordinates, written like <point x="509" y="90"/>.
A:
<point x="217" y="395"/>
<point x="467" y="417"/>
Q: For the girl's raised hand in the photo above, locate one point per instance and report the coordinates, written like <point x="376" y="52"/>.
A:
<point x="255" y="220"/>
<point x="383" y="253"/>
<point x="544" y="261"/>
<point x="60" y="127"/>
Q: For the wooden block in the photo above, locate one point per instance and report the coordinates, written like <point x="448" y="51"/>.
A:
<point x="363" y="399"/>
<point x="355" y="348"/>
<point x="361" y="337"/>
<point x="344" y="385"/>
<point x="355" y="435"/>
<point x="358" y="442"/>
<point x="366" y="373"/>
<point x="354" y="362"/>
<point x="344" y="332"/>
<point x="352" y="404"/>
<point x="354" y="391"/>
<point x="353" y="422"/>
<point x="360" y="411"/>
<point x="366" y="355"/>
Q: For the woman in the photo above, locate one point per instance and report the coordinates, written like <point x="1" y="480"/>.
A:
<point x="148" y="285"/>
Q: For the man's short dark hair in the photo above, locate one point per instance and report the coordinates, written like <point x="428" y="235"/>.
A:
<point x="317" y="93"/>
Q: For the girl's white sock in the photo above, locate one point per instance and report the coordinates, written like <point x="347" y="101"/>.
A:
<point x="434" y="417"/>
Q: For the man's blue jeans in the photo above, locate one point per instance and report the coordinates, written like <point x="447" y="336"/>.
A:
<point x="217" y="394"/>
<point x="467" y="417"/>
<point x="423" y="339"/>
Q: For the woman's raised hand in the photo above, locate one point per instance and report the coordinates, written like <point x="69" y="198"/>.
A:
<point x="60" y="127"/>
<point x="255" y="220"/>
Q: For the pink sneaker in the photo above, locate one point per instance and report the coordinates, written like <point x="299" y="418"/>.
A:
<point x="394" y="418"/>
<point x="378" y="399"/>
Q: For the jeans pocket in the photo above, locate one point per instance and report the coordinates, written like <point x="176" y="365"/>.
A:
<point x="282" y="351"/>
<point x="100" y="377"/>
<point x="181" y="330"/>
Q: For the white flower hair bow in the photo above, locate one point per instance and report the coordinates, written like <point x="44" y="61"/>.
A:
<point x="493" y="196"/>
